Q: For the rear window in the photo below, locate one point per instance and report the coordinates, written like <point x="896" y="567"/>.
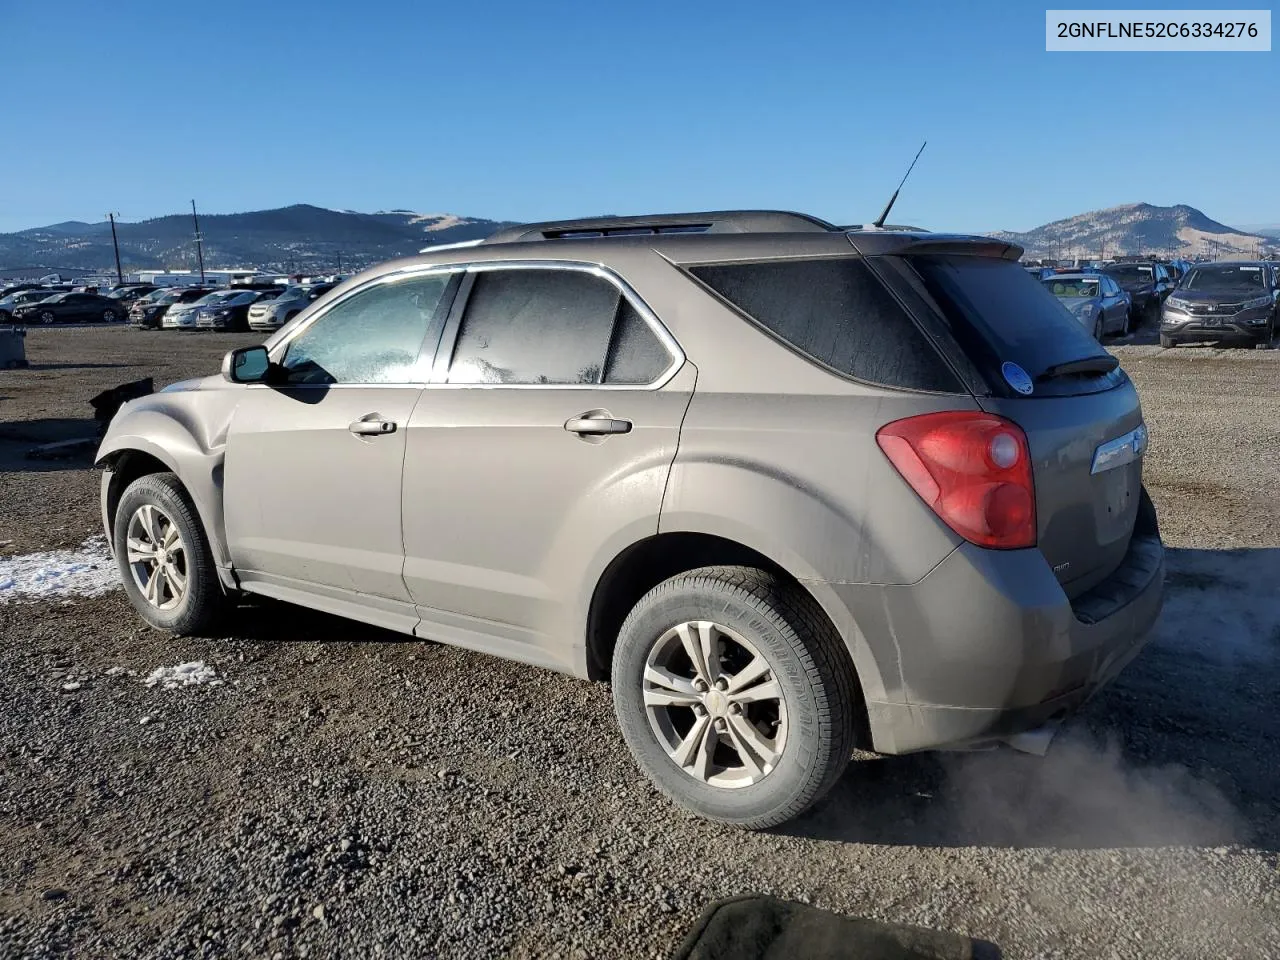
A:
<point x="837" y="313"/>
<point x="998" y="314"/>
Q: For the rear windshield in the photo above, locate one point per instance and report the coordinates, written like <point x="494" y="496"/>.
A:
<point x="1072" y="289"/>
<point x="837" y="313"/>
<point x="1131" y="273"/>
<point x="998" y="314"/>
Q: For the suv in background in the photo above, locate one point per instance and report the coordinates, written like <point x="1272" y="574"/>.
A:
<point x="794" y="489"/>
<point x="1224" y="300"/>
<point x="272" y="314"/>
<point x="1148" y="284"/>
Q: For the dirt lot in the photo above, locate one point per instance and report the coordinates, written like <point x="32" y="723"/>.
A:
<point x="347" y="792"/>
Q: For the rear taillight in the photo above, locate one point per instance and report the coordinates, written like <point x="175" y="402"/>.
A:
<point x="973" y="469"/>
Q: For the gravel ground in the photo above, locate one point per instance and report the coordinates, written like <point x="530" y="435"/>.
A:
<point x="338" y="791"/>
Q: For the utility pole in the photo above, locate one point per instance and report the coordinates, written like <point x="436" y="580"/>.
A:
<point x="199" y="241"/>
<point x="116" y="244"/>
<point x="339" y="262"/>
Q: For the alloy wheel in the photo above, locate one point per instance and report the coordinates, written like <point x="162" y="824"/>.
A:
<point x="47" y="317"/>
<point x="714" y="704"/>
<point x="157" y="557"/>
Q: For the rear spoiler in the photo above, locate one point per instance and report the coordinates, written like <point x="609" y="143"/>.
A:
<point x="933" y="244"/>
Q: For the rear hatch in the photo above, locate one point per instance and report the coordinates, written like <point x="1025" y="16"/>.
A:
<point x="1027" y="359"/>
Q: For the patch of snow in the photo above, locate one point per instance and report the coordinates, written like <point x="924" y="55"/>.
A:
<point x="58" y="574"/>
<point x="193" y="674"/>
<point x="118" y="671"/>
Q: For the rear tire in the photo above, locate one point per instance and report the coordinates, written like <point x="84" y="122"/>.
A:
<point x="798" y="714"/>
<point x="189" y="559"/>
<point x="47" y="317"/>
<point x="110" y="316"/>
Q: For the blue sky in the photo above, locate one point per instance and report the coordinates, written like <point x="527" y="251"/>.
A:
<point x="541" y="110"/>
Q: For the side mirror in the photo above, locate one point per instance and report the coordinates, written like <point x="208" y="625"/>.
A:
<point x="246" y="365"/>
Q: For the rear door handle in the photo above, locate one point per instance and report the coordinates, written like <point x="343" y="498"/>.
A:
<point x="596" y="426"/>
<point x="371" y="425"/>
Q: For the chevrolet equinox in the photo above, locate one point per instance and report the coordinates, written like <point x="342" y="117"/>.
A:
<point x="793" y="489"/>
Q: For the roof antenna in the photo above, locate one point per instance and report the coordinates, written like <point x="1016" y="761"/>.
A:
<point x="879" y="223"/>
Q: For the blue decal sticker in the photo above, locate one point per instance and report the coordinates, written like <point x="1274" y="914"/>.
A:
<point x="1017" y="378"/>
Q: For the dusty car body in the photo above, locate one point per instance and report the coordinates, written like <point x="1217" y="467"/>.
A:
<point x="792" y="488"/>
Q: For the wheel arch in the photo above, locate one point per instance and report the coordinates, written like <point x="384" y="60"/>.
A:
<point x="164" y="446"/>
<point x="644" y="564"/>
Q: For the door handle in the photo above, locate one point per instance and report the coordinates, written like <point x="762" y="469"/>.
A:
<point x="596" y="426"/>
<point x="371" y="425"/>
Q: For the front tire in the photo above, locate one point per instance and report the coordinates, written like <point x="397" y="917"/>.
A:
<point x="47" y="317"/>
<point x="735" y="695"/>
<point x="110" y="316"/>
<point x="1167" y="341"/>
<point x="164" y="558"/>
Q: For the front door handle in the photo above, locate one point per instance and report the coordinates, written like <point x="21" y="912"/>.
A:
<point x="371" y="425"/>
<point x="596" y="426"/>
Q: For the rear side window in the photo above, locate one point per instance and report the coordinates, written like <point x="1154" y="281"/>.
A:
<point x="531" y="326"/>
<point x="999" y="315"/>
<point x="835" y="311"/>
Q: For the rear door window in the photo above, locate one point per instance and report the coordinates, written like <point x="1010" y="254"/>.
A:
<point x="553" y="327"/>
<point x="837" y="313"/>
<point x="998" y="314"/>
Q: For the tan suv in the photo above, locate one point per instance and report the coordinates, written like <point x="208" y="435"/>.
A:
<point x="793" y="488"/>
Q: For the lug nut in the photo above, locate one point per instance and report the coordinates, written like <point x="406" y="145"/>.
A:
<point x="700" y="685"/>
<point x="699" y="710"/>
<point x="722" y="684"/>
<point x="721" y="725"/>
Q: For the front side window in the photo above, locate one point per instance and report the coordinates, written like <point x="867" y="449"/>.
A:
<point x="373" y="336"/>
<point x="532" y="326"/>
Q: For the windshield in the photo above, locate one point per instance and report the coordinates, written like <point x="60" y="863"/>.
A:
<point x="1130" y="273"/>
<point x="1239" y="278"/>
<point x="218" y="296"/>
<point x="1072" y="288"/>
<point x="56" y="298"/>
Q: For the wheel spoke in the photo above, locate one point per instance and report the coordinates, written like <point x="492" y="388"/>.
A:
<point x="748" y="675"/>
<point x="139" y="551"/>
<point x="150" y="525"/>
<point x="769" y="690"/>
<point x="694" y="751"/>
<point x="170" y="535"/>
<point x="665" y="689"/>
<point x="693" y="649"/>
<point x="152" y="590"/>
<point x="755" y="751"/>
<point x="176" y="581"/>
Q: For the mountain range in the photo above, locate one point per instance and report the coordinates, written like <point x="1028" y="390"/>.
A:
<point x="305" y="238"/>
<point x="300" y="238"/>
<point x="1135" y="228"/>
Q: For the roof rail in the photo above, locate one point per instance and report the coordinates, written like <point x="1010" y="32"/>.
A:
<point x="715" y="221"/>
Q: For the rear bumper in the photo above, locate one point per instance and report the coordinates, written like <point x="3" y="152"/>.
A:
<point x="988" y="644"/>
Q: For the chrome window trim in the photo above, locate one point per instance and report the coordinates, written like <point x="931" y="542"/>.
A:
<point x="659" y="330"/>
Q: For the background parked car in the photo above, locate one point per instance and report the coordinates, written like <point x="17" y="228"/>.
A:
<point x="1094" y="299"/>
<point x="1227" y="300"/>
<point x="1147" y="283"/>
<point x="129" y="293"/>
<point x="270" y="315"/>
<point x="182" y="316"/>
<point x="14" y="300"/>
<point x="145" y="314"/>
<point x="231" y="313"/>
<point x="71" y="308"/>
